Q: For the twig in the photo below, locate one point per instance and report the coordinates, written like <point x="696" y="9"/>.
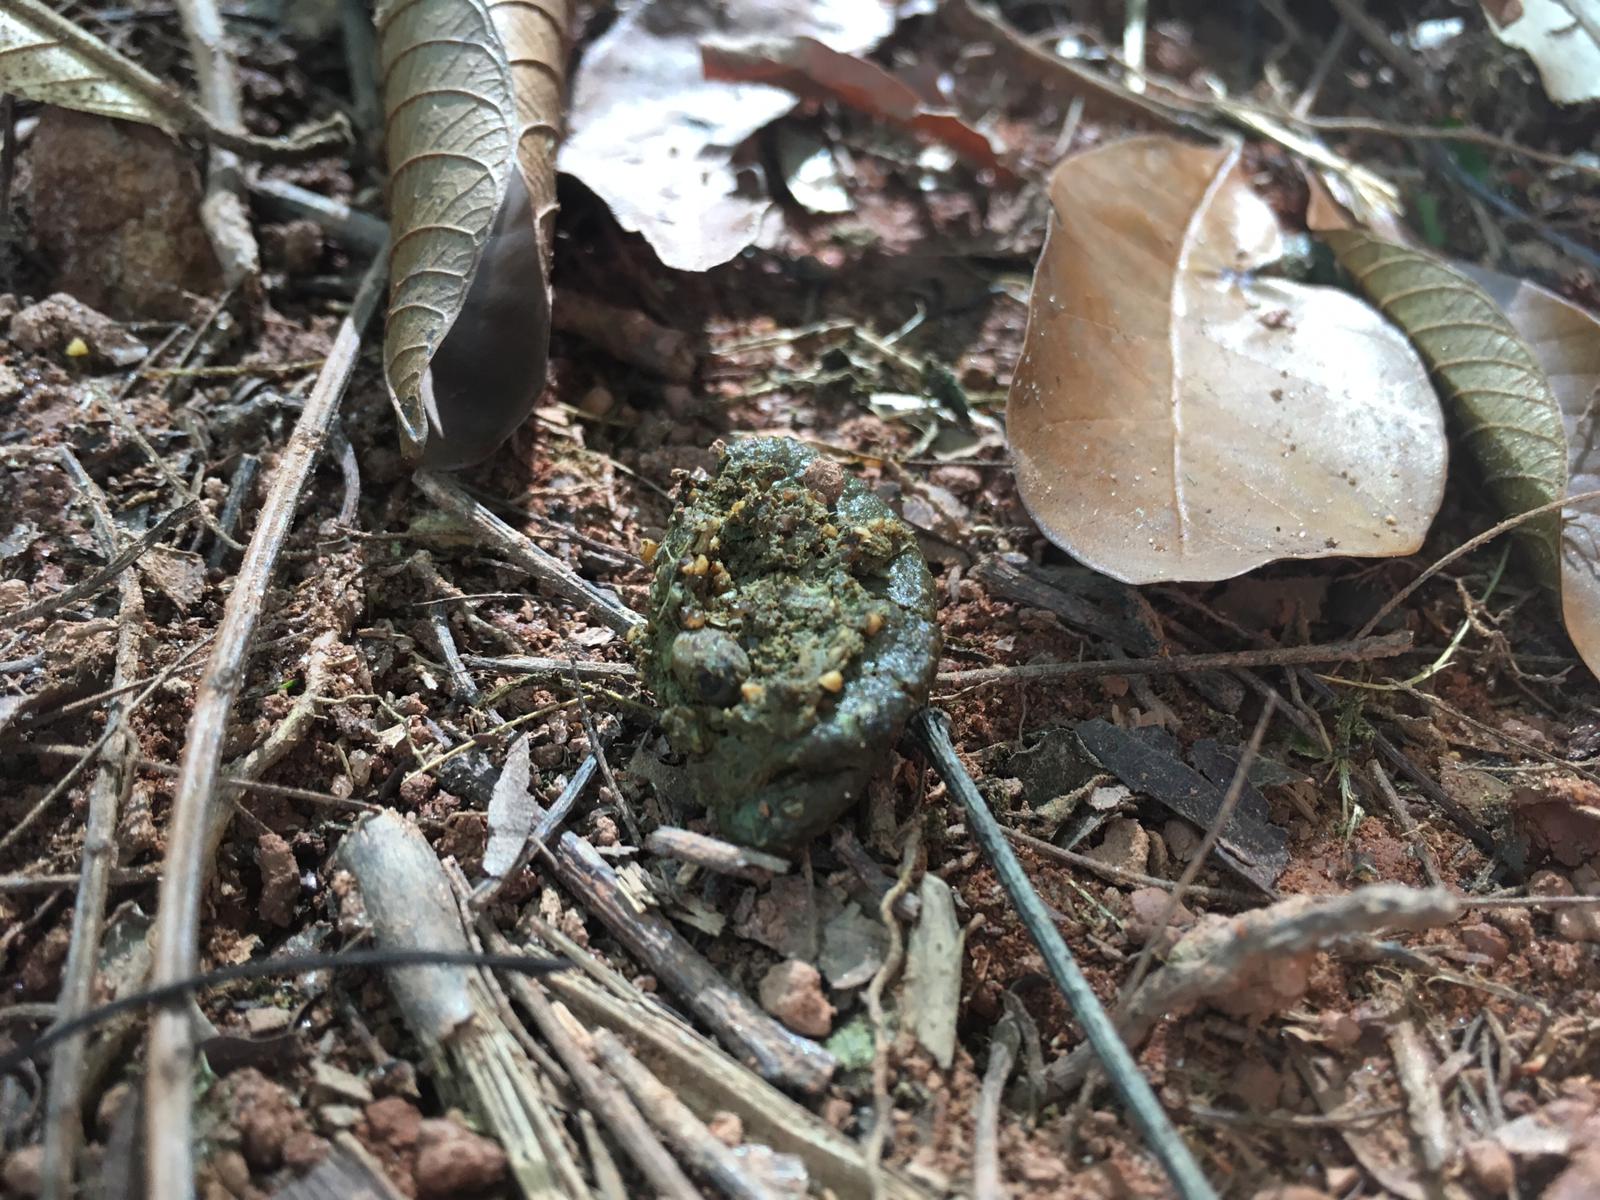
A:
<point x="1467" y="133"/>
<point x="1467" y="547"/>
<point x="119" y="877"/>
<point x="120" y="562"/>
<point x="1122" y="875"/>
<point x="453" y="1012"/>
<point x="360" y="231"/>
<point x="1222" y="951"/>
<point x="63" y="1129"/>
<point x="1241" y="773"/>
<point x="986" y="1179"/>
<point x="677" y="1124"/>
<point x="775" y="1053"/>
<point x="541" y="564"/>
<point x="554" y="669"/>
<point x="893" y="959"/>
<point x="1362" y="649"/>
<point x="169" y="1094"/>
<point x="1408" y="826"/>
<point x="714" y="854"/>
<point x="224" y="212"/>
<point x="1132" y="1088"/>
<point x="1355" y="14"/>
<point x="239" y="489"/>
<point x="706" y="1077"/>
<point x="1414" y="1068"/>
<point x="113" y="723"/>
<point x="598" y="749"/>
<point x="600" y="1094"/>
<point x="145" y="763"/>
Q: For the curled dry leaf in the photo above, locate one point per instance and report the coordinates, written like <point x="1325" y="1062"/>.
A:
<point x="654" y="138"/>
<point x="472" y="96"/>
<point x="1174" y="417"/>
<point x="814" y="71"/>
<point x="1565" y="341"/>
<point x="1502" y="406"/>
<point x="49" y="59"/>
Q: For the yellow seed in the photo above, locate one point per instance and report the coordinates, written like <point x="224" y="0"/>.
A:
<point x="830" y="681"/>
<point x="647" y="550"/>
<point x="693" y="620"/>
<point x="736" y="508"/>
<point x="752" y="692"/>
<point x="699" y="565"/>
<point x="874" y="622"/>
<point x="77" y="348"/>
<point x="830" y="531"/>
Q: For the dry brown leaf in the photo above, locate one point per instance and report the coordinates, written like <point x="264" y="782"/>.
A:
<point x="654" y="139"/>
<point x="472" y="92"/>
<point x="1174" y="417"/>
<point x="814" y="71"/>
<point x="1565" y="341"/>
<point x="48" y="58"/>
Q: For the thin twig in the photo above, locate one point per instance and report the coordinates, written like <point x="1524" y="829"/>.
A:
<point x="1362" y="649"/>
<point x="63" y="1130"/>
<point x="553" y="669"/>
<point x="225" y="212"/>
<point x="169" y="1093"/>
<point x="600" y="1094"/>
<point x="1408" y="825"/>
<point x="1241" y="774"/>
<point x="541" y="564"/>
<point x="1467" y="547"/>
<point x="677" y="1124"/>
<point x="893" y="958"/>
<point x="120" y="562"/>
<point x="113" y="723"/>
<point x="1122" y="875"/>
<point x="1131" y="1086"/>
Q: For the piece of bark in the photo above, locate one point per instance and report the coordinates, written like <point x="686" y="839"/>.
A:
<point x="774" y="1052"/>
<point x="451" y="1010"/>
<point x="1251" y="846"/>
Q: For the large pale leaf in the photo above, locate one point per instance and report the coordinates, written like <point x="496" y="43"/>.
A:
<point x="1565" y="339"/>
<point x="1501" y="404"/>
<point x="472" y="94"/>
<point x="45" y="57"/>
<point x="1561" y="36"/>
<point x="653" y="138"/>
<point x="1174" y="417"/>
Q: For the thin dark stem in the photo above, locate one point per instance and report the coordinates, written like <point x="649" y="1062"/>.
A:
<point x="1131" y="1087"/>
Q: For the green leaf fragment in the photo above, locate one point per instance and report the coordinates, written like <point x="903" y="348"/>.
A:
<point x="1498" y="398"/>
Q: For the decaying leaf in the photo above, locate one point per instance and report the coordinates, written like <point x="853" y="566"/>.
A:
<point x="1175" y="417"/>
<point x="814" y="71"/>
<point x="49" y="59"/>
<point x="1501" y="404"/>
<point x="472" y="95"/>
<point x="46" y="57"/>
<point x="653" y="138"/>
<point x="1561" y="36"/>
<point x="1565" y="341"/>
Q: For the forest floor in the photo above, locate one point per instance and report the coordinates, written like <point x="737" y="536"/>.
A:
<point x="1455" y="1060"/>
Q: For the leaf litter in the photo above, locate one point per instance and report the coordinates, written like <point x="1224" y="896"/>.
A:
<point x="375" y="723"/>
<point x="1168" y="417"/>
